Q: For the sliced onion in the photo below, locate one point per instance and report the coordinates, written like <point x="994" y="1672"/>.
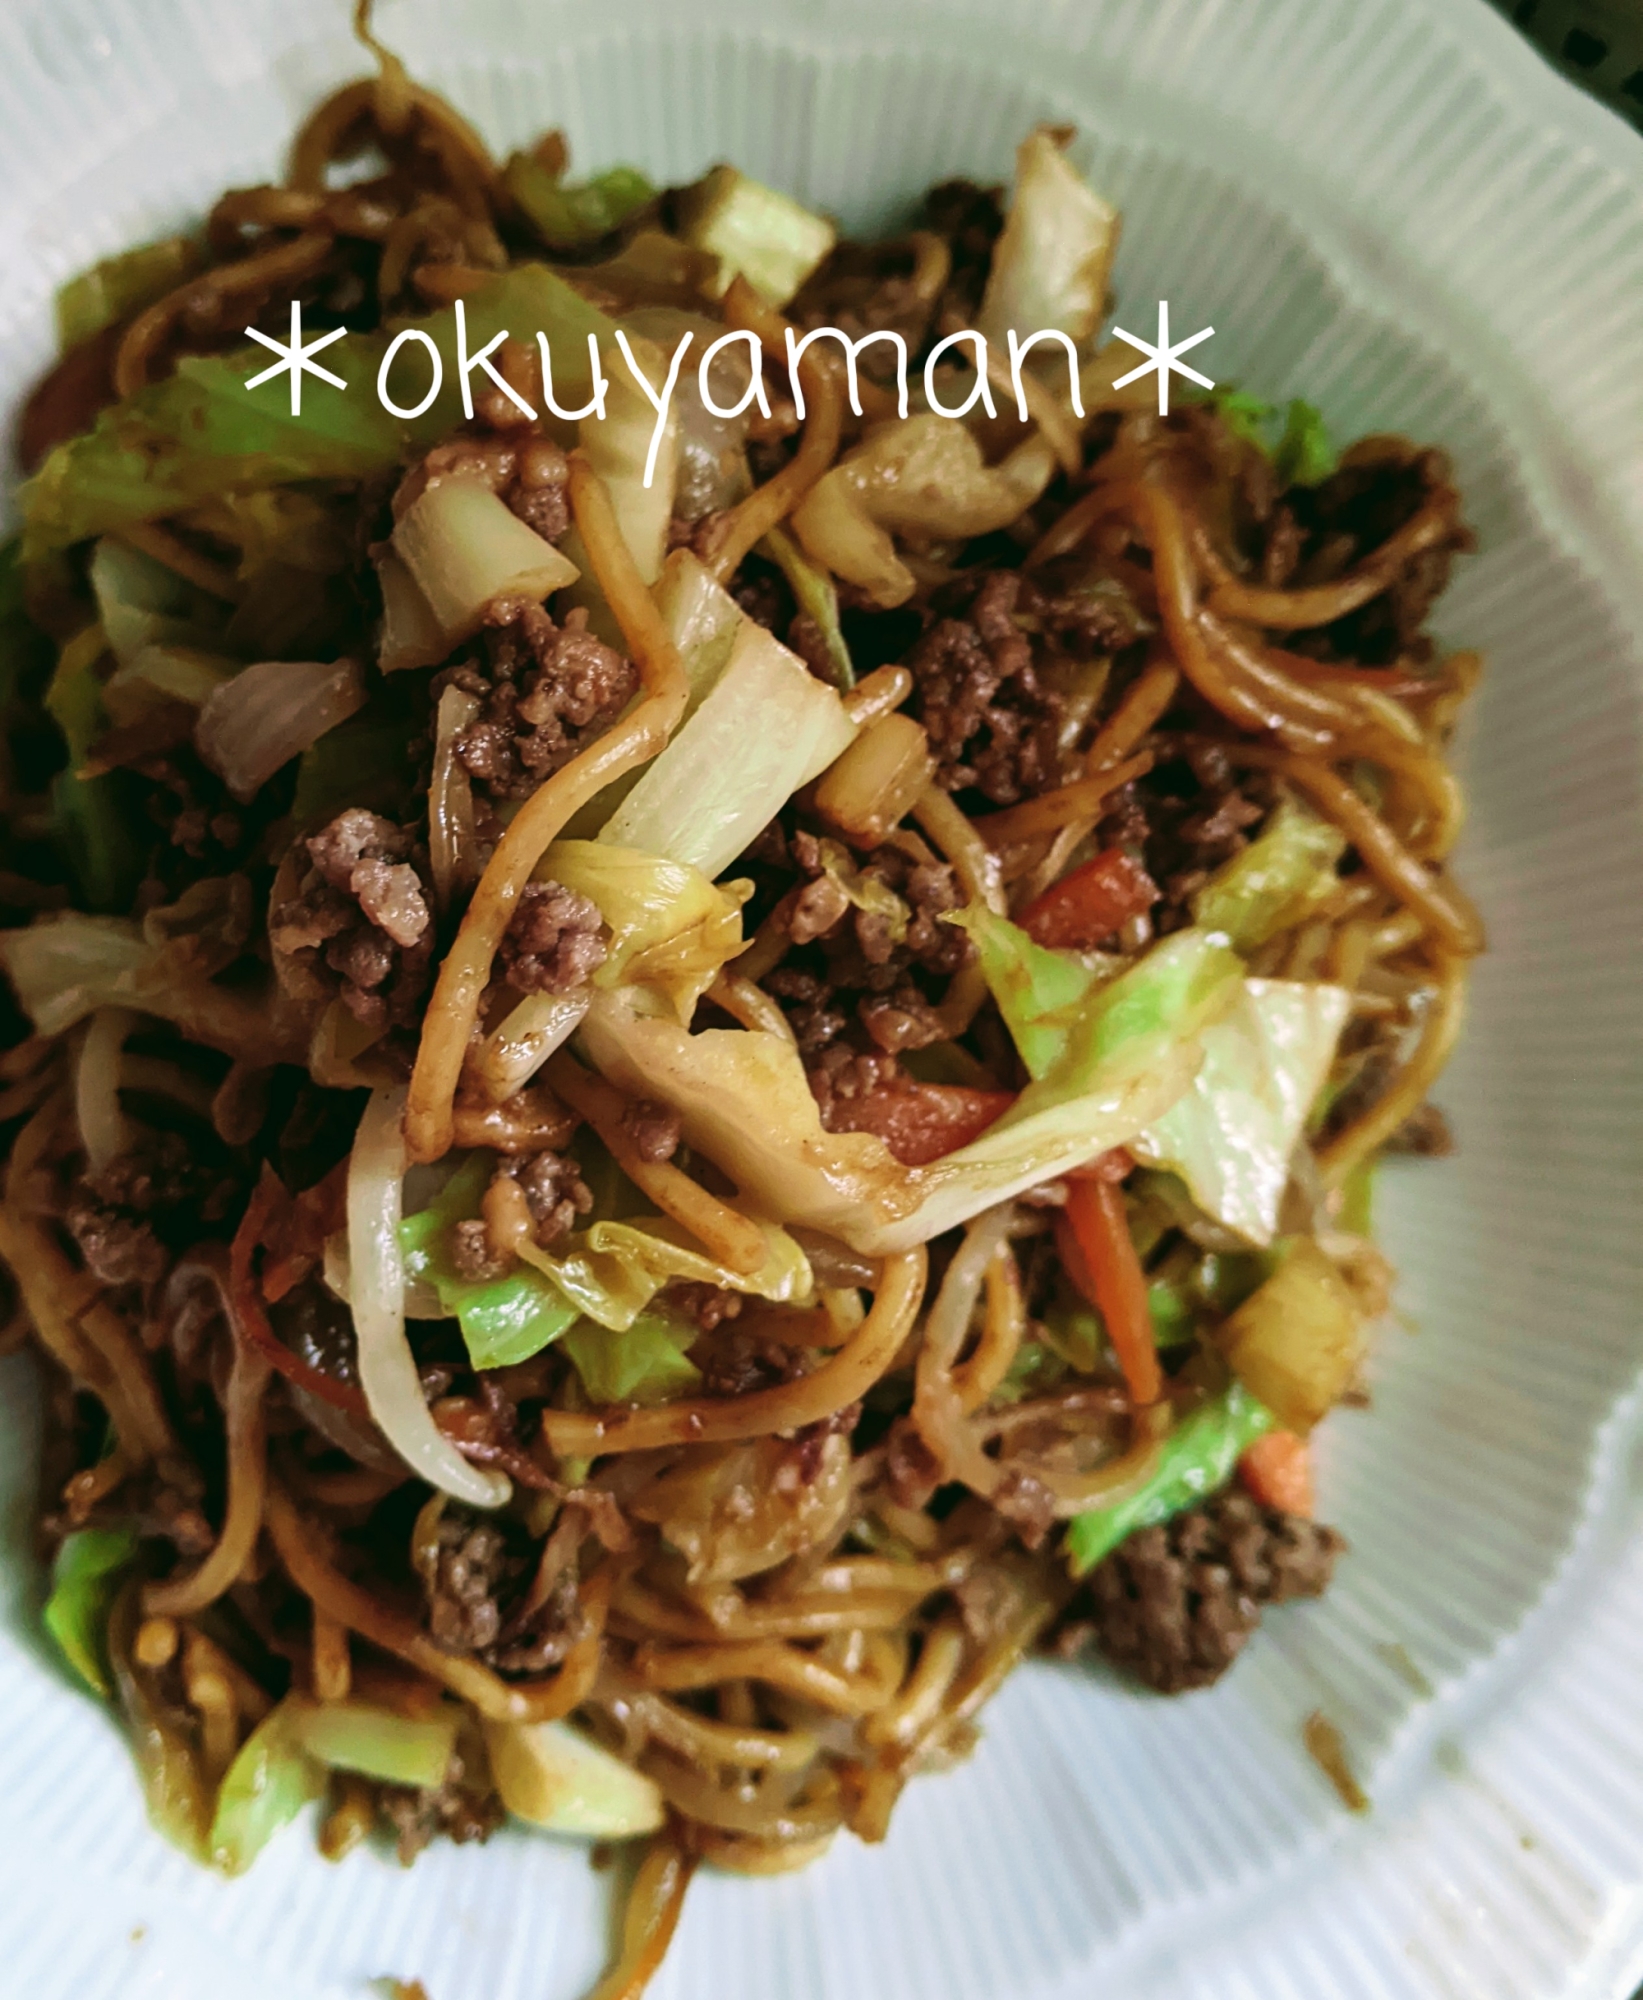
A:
<point x="272" y="712"/>
<point x="511" y="1054"/>
<point x="387" y="1368"/>
<point x="453" y="845"/>
<point x="103" y="1129"/>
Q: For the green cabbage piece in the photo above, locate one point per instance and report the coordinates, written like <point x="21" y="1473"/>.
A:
<point x="360" y="1736"/>
<point x="609" y="1272"/>
<point x="645" y="1363"/>
<point x="1299" y="447"/>
<point x="202" y="434"/>
<point x="1232" y="1134"/>
<point x="1304" y="455"/>
<point x="504" y="1320"/>
<point x="613" y="1270"/>
<point x="575" y="217"/>
<point x="269" y="1782"/>
<point x="84" y="1578"/>
<point x="1068" y="1017"/>
<point x="671" y="928"/>
<point x="1198" y="1458"/>
<point x="1276" y="881"/>
<point x="120" y="286"/>
<point x="1127" y="1054"/>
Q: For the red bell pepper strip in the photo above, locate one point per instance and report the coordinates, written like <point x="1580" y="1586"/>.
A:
<point x="921" y="1122"/>
<point x="1091" y="903"/>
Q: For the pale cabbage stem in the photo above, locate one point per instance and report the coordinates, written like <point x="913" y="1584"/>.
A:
<point x="467" y="967"/>
<point x="725" y="1420"/>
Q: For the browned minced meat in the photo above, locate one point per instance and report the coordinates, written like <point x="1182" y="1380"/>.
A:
<point x="416" y="1817"/>
<point x="993" y="718"/>
<point x="655" y="1129"/>
<point x="911" y="1471"/>
<point x="970" y="219"/>
<point x="736" y="1360"/>
<point x="847" y="970"/>
<point x="1318" y="532"/>
<point x="555" y="1194"/>
<point x="360" y="921"/>
<point x="462" y="1573"/>
<point x="531" y="475"/>
<point x="1174" y="1605"/>
<point x="476" y="1583"/>
<point x="545" y="691"/>
<point x="708" y="1305"/>
<point x="128" y="1217"/>
<point x="554" y="940"/>
<point x="1186" y="819"/>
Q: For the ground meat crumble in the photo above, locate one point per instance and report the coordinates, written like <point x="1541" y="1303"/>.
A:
<point x="361" y="922"/>
<point x="553" y="942"/>
<point x="1175" y="1605"/>
<point x="545" y="692"/>
<point x="130" y="1216"/>
<point x="858" y="970"/>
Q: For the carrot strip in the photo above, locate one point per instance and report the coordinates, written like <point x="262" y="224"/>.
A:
<point x="1116" y="1285"/>
<point x="1277" y="1470"/>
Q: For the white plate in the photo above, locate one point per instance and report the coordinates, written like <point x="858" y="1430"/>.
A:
<point x="1395" y="210"/>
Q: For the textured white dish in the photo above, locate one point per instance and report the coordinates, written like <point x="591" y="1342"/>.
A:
<point x="1390" y="208"/>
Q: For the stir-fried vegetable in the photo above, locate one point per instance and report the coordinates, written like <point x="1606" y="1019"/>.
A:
<point x="1297" y="1341"/>
<point x="1051" y="264"/>
<point x="574" y="216"/>
<point x="361" y="1736"/>
<point x="1276" y="882"/>
<point x="85" y="1575"/>
<point x="766" y="727"/>
<point x="271" y="1779"/>
<point x="1232" y="1135"/>
<point x="645" y="1362"/>
<point x="744" y="1102"/>
<point x="118" y="286"/>
<point x="754" y="231"/>
<point x="555" y="1776"/>
<point x="1197" y="1459"/>
<point x="1277" y="1470"/>
<point x="256" y="722"/>
<point x="1107" y="1270"/>
<point x="922" y="478"/>
<point x="464" y="549"/>
<point x="671" y="929"/>
<point x="504" y="1320"/>
<point x="1086" y="907"/>
<point x="201" y="434"/>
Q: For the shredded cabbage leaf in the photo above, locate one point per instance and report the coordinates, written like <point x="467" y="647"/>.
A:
<point x="575" y="215"/>
<point x="671" y="928"/>
<point x="504" y="1320"/>
<point x="1197" y="1458"/>
<point x="1274" y="883"/>
<point x="1232" y="1135"/>
<point x="644" y="1363"/>
<point x="269" y="1782"/>
<point x="744" y="1102"/>
<point x="201" y="433"/>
